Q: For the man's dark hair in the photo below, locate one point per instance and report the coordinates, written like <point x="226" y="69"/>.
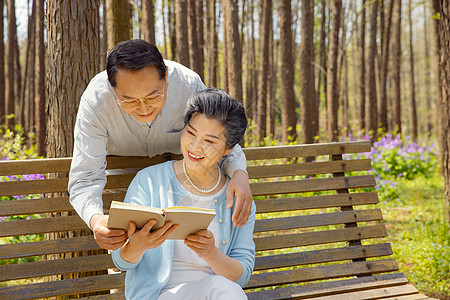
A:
<point x="134" y="55"/>
<point x="218" y="105"/>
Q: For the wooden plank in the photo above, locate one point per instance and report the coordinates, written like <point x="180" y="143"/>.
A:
<point x="259" y="153"/>
<point x="330" y="287"/>
<point x="114" y="296"/>
<point x="56" y="185"/>
<point x="319" y="237"/>
<point x="379" y="293"/>
<point x="313" y="185"/>
<point x="318" y="220"/>
<point x="324" y="201"/>
<point x="63" y="287"/>
<point x="311" y="168"/>
<point x="321" y="273"/>
<point x="45" y="225"/>
<point x="19" y="250"/>
<point x="321" y="256"/>
<point x="55" y="267"/>
<point x="411" y="297"/>
<point x="49" y="205"/>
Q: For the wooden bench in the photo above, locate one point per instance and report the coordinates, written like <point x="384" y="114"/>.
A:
<point x="317" y="233"/>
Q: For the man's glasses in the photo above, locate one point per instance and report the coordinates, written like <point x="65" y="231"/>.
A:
<point x="150" y="100"/>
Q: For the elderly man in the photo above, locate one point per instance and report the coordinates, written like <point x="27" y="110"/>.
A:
<point x="136" y="108"/>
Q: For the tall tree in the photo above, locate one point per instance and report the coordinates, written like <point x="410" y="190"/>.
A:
<point x="163" y="15"/>
<point x="371" y="90"/>
<point x="199" y="12"/>
<point x="39" y="100"/>
<point x="429" y="113"/>
<point x="10" y="60"/>
<point x="18" y="80"/>
<point x="234" y="58"/>
<point x="118" y="14"/>
<point x="171" y="20"/>
<point x="181" y="33"/>
<point x="266" y="22"/>
<point x="29" y="74"/>
<point x="194" y="47"/>
<point x="211" y="37"/>
<point x="288" y="115"/>
<point x="443" y="8"/>
<point x="362" y="67"/>
<point x="148" y="21"/>
<point x="332" y="84"/>
<point x="250" y="90"/>
<point x="307" y="94"/>
<point x="384" y="62"/>
<point x="413" y="84"/>
<point x="104" y="38"/>
<point x="225" y="51"/>
<point x="2" y="65"/>
<point x="396" y="62"/>
<point x="71" y="30"/>
<point x="321" y="75"/>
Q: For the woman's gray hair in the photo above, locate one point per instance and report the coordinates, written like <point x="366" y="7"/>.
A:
<point x="218" y="105"/>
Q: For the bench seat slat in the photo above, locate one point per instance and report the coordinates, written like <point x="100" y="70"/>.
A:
<point x="330" y="287"/>
<point x="379" y="293"/>
<point x="319" y="237"/>
<point x="314" y="185"/>
<point x="56" y="267"/>
<point x="49" y="205"/>
<point x="63" y="287"/>
<point x="318" y="220"/>
<point x="19" y="250"/>
<point x="323" y="201"/>
<point x="258" y="153"/>
<point x="321" y="256"/>
<point x="312" y="168"/>
<point x="322" y="272"/>
<point x="114" y="296"/>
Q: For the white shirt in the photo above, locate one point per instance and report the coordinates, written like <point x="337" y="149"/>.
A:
<point x="102" y="128"/>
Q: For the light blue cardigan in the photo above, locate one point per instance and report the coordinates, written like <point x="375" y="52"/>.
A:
<point x="158" y="186"/>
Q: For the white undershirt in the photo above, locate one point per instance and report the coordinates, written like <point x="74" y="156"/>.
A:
<point x="187" y="266"/>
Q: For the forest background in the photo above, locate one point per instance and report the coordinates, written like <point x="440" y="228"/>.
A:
<point x="306" y="71"/>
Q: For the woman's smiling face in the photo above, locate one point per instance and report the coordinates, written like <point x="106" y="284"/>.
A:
<point x="203" y="143"/>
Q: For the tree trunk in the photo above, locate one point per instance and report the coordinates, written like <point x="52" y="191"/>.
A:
<point x="332" y="84"/>
<point x="194" y="47"/>
<point x="428" y="108"/>
<point x="181" y="33"/>
<point x="10" y="59"/>
<point x="384" y="58"/>
<point x="444" y="55"/>
<point x="371" y="98"/>
<point x="211" y="40"/>
<point x="18" y="80"/>
<point x="321" y="88"/>
<point x="172" y="28"/>
<point x="200" y="38"/>
<point x="2" y="66"/>
<point x="362" y="66"/>
<point x="39" y="100"/>
<point x="30" y="73"/>
<point x="271" y="90"/>
<point x="396" y="62"/>
<point x="266" y="22"/>
<point x="148" y="21"/>
<point x="307" y="94"/>
<point x="224" y="72"/>
<point x="288" y="115"/>
<point x="163" y="15"/>
<point x="413" y="84"/>
<point x="234" y="53"/>
<point x="118" y="14"/>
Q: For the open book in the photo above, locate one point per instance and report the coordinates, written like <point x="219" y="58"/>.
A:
<point x="189" y="219"/>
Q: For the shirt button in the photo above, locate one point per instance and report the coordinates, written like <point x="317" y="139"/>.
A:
<point x="224" y="242"/>
<point x="220" y="220"/>
<point x="143" y="126"/>
<point x="215" y="200"/>
<point x="150" y="139"/>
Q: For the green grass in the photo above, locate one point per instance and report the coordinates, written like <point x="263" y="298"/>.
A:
<point x="419" y="234"/>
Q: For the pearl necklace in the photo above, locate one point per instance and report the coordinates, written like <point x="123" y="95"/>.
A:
<point x="196" y="187"/>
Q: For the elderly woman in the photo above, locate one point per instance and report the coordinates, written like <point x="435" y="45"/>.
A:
<point x="214" y="263"/>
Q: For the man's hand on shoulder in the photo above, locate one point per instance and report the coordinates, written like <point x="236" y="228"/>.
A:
<point x="240" y="188"/>
<point x="110" y="239"/>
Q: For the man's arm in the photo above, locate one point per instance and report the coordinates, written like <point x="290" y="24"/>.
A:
<point x="235" y="165"/>
<point x="87" y="177"/>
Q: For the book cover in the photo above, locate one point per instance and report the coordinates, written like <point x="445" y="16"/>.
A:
<point x="189" y="219"/>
